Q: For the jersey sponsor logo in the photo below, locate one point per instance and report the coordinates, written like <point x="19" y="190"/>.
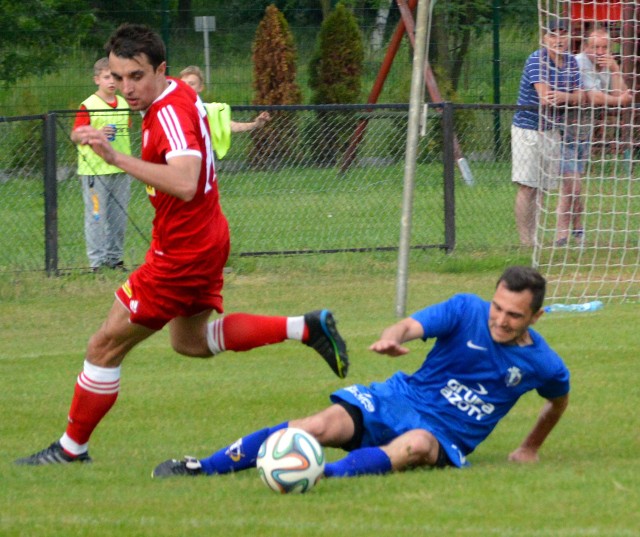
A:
<point x="467" y="400"/>
<point x="475" y="347"/>
<point x="363" y="398"/>
<point x="234" y="451"/>
<point x="513" y="377"/>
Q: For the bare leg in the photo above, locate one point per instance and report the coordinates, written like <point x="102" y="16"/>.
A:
<point x="414" y="448"/>
<point x="331" y="427"/>
<point x="578" y="208"/>
<point x="525" y="211"/>
<point x="569" y="208"/>
<point x="115" y="338"/>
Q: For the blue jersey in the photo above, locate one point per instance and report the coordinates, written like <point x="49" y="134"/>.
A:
<point x="540" y="68"/>
<point x="466" y="384"/>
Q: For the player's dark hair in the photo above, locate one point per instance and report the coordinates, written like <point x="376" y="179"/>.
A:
<point x="131" y="40"/>
<point x="518" y="279"/>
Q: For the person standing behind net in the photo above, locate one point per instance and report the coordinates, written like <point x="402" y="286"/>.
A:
<point x="550" y="78"/>
<point x="180" y="282"/>
<point x="219" y="114"/>
<point x="605" y="86"/>
<point x="105" y="188"/>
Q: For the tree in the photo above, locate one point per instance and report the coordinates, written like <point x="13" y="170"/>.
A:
<point x="335" y="72"/>
<point x="456" y="22"/>
<point x="274" y="61"/>
<point x="274" y="82"/>
<point x="36" y="34"/>
<point x="185" y="15"/>
<point x="377" y="35"/>
<point x="335" y="76"/>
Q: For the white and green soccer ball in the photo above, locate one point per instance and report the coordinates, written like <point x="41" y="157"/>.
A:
<point x="290" y="460"/>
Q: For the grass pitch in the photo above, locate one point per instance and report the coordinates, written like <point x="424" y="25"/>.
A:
<point x="585" y="485"/>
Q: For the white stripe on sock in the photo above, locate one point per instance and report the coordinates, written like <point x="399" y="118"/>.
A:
<point x="295" y="327"/>
<point x="215" y="336"/>
<point x="101" y="380"/>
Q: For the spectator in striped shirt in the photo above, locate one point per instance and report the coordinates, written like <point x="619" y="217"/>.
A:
<point x="550" y="83"/>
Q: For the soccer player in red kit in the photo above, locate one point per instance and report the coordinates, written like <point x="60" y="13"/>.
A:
<point x="180" y="282"/>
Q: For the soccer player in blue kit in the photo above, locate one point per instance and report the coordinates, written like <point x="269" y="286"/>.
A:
<point x="486" y="356"/>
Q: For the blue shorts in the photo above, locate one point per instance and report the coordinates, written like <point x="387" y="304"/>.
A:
<point x="574" y="157"/>
<point x="387" y="415"/>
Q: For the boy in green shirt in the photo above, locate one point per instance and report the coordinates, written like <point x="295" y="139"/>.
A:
<point x="219" y="115"/>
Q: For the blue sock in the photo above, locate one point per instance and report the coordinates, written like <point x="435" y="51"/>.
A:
<point x="240" y="455"/>
<point x="360" y="462"/>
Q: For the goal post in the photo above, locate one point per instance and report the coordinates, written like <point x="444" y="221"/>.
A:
<point x="587" y="240"/>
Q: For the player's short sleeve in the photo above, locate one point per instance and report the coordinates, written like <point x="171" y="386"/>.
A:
<point x="177" y="132"/>
<point x="557" y="384"/>
<point x="440" y="320"/>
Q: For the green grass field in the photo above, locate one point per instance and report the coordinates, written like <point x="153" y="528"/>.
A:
<point x="585" y="485"/>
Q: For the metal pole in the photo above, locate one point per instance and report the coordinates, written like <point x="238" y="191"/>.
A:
<point x="449" y="183"/>
<point x="415" y="104"/>
<point x="497" y="140"/>
<point x="207" y="63"/>
<point x="50" y="196"/>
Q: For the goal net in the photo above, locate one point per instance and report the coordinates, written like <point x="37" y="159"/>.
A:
<point x="588" y="225"/>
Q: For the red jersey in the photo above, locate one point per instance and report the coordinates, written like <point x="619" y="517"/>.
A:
<point x="183" y="232"/>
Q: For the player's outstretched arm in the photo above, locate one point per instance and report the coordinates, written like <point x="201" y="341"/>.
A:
<point x="547" y="420"/>
<point x="392" y="338"/>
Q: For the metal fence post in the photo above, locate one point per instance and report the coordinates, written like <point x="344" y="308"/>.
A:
<point x="448" y="156"/>
<point x="50" y="195"/>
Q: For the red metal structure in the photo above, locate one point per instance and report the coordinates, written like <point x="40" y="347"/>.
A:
<point x="406" y="25"/>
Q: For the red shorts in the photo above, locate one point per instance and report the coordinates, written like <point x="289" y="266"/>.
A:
<point x="158" y="291"/>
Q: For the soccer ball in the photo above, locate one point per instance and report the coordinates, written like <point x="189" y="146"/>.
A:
<point x="290" y="460"/>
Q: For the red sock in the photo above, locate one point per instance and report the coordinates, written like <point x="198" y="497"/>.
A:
<point x="92" y="399"/>
<point x="244" y="331"/>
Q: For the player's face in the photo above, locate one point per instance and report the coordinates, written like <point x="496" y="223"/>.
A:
<point x="510" y="315"/>
<point x="194" y="82"/>
<point x="136" y="79"/>
<point x="105" y="82"/>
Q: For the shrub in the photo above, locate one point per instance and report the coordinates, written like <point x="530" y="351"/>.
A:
<point x="274" y="82"/>
<point x="335" y="77"/>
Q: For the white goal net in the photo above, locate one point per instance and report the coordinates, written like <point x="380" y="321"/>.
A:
<point x="587" y="240"/>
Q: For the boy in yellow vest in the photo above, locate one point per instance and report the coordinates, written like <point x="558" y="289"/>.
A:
<point x="219" y="115"/>
<point x="105" y="188"/>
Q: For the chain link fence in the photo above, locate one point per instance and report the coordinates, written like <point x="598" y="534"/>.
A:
<point x="315" y="179"/>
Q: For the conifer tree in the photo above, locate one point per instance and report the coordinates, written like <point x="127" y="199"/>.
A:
<point x="335" y="76"/>
<point x="336" y="69"/>
<point x="274" y="82"/>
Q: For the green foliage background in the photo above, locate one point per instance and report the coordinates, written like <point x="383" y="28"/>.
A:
<point x="61" y="39"/>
